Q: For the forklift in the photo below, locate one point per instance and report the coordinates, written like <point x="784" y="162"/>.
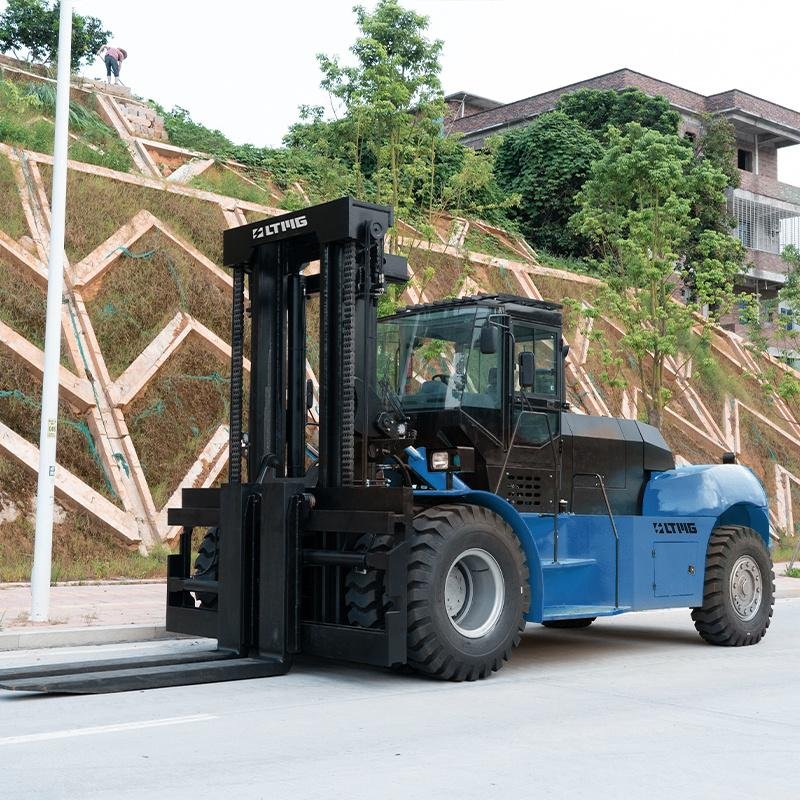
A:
<point x="452" y="496"/>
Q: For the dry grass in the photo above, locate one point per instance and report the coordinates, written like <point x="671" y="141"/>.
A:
<point x="479" y="242"/>
<point x="557" y="290"/>
<point x="139" y="296"/>
<point x="601" y="373"/>
<point x="715" y="378"/>
<point x="21" y="409"/>
<point x="762" y="447"/>
<point x="254" y="216"/>
<point x="495" y="279"/>
<point x="12" y="220"/>
<point x="220" y="180"/>
<point x="312" y="332"/>
<point x="174" y="418"/>
<point x="97" y="207"/>
<point x="439" y="274"/>
<point x="82" y="550"/>
<point x="691" y="449"/>
<point x="23" y="303"/>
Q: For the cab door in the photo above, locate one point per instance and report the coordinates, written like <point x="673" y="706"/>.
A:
<point x="529" y="478"/>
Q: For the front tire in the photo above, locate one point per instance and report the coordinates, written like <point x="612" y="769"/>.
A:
<point x="739" y="589"/>
<point x="468" y="592"/>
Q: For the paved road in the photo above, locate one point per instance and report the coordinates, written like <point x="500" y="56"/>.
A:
<point x="636" y="707"/>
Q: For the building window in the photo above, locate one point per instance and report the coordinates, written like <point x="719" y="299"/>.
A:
<point x="765" y="227"/>
<point x="745" y="160"/>
<point x="788" y="319"/>
<point x="744" y="233"/>
<point x="744" y="312"/>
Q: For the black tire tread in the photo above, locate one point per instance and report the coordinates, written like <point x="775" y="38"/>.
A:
<point x="206" y="565"/>
<point x="425" y="651"/>
<point x="364" y="594"/>
<point x="712" y="620"/>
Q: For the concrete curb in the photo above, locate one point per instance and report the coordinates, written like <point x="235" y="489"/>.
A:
<point x="36" y="638"/>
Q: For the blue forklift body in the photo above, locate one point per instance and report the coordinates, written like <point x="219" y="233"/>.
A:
<point x="633" y="563"/>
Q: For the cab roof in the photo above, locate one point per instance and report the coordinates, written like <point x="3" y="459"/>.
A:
<point x="511" y="303"/>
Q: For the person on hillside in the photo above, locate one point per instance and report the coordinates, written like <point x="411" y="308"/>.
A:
<point x="113" y="57"/>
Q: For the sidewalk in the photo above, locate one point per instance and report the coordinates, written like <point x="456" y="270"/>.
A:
<point x="84" y="605"/>
<point x="116" y="612"/>
<point x="84" y="614"/>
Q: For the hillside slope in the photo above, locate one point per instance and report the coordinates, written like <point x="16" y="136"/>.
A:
<point x="144" y="377"/>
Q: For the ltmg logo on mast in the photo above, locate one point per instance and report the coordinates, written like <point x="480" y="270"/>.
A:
<point x="270" y="229"/>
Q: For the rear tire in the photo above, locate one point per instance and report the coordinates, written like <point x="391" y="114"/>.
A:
<point x="739" y="589"/>
<point x="583" y="622"/>
<point x="365" y="597"/>
<point x="206" y="566"/>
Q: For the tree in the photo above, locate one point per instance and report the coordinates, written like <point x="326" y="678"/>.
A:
<point x="717" y="143"/>
<point x="387" y="134"/>
<point x="392" y="100"/>
<point x="773" y="326"/>
<point x="464" y="182"/>
<point x="715" y="147"/>
<point x="31" y="27"/>
<point x="637" y="210"/>
<point x="598" y="110"/>
<point x="546" y="163"/>
<point x="788" y="323"/>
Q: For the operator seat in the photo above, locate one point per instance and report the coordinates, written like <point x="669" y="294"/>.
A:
<point x="433" y="391"/>
<point x="491" y="383"/>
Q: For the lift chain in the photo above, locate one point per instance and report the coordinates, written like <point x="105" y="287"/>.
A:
<point x="237" y="378"/>
<point x="348" y="407"/>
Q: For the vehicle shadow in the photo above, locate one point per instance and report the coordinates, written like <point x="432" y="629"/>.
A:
<point x="605" y="638"/>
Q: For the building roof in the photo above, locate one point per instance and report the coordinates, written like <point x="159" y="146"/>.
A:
<point x="772" y="118"/>
<point x="472" y="100"/>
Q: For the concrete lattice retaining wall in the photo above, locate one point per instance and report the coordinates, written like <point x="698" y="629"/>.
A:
<point x="110" y="404"/>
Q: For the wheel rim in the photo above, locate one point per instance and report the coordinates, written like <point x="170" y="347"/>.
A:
<point x="746" y="588"/>
<point x="474" y="593"/>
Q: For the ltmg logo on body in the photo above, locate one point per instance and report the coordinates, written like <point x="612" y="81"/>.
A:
<point x="270" y="229"/>
<point x="674" y="527"/>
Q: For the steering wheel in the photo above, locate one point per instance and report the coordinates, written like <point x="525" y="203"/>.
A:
<point x="441" y="376"/>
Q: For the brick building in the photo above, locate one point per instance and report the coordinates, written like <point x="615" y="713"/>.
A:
<point x="767" y="212"/>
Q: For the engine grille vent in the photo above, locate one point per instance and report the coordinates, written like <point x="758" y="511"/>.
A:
<point x="523" y="489"/>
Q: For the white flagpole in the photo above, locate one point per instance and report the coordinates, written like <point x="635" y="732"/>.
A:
<point x="43" y="544"/>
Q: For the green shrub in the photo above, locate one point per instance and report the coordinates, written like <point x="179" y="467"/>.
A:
<point x="12" y="219"/>
<point x="26" y="121"/>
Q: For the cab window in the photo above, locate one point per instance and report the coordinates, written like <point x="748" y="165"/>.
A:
<point x="533" y="426"/>
<point x="542" y="343"/>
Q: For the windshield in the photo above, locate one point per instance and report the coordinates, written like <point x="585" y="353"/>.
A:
<point x="433" y="360"/>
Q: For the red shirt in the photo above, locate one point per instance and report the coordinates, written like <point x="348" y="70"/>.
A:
<point x="115" y="53"/>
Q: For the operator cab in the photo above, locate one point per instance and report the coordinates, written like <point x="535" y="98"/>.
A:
<point x="478" y="372"/>
<point x="487" y="373"/>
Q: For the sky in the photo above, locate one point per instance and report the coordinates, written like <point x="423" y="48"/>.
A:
<point x="244" y="66"/>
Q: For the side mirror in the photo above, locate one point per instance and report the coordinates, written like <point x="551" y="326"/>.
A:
<point x="527" y="369"/>
<point x="489" y="337"/>
<point x="564" y="350"/>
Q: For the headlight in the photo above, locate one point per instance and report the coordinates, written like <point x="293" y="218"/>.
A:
<point x="440" y="460"/>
